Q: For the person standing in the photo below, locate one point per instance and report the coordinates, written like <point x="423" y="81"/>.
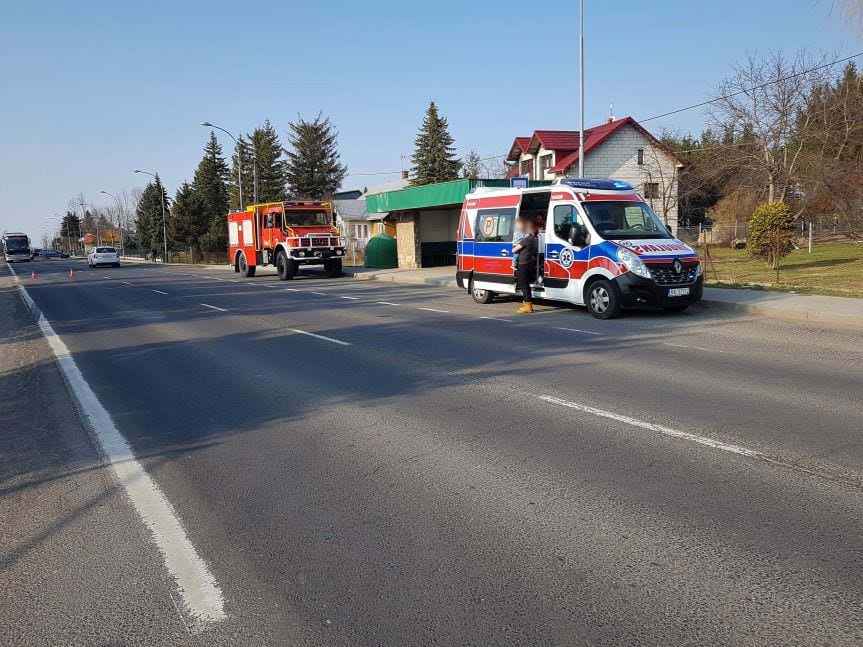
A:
<point x="155" y="251"/>
<point x="526" y="266"/>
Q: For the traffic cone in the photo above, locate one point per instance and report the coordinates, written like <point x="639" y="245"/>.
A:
<point x="71" y="273"/>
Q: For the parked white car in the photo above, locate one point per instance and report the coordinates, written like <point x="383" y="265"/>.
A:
<point x="103" y="256"/>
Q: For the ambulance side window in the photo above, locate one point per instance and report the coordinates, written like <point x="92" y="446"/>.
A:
<point x="495" y="225"/>
<point x="565" y="216"/>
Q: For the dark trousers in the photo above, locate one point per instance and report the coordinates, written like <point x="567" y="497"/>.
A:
<point x="526" y="276"/>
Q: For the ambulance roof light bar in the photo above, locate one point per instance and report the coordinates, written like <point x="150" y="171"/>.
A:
<point x="596" y="184"/>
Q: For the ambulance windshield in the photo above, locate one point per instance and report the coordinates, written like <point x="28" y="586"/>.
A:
<point x="625" y="220"/>
<point x="307" y="218"/>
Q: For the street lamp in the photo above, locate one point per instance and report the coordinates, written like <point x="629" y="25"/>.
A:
<point x="164" y="228"/>
<point x="581" y="89"/>
<point x="119" y="209"/>
<point x="207" y="124"/>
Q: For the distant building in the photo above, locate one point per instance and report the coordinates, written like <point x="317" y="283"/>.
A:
<point x="621" y="149"/>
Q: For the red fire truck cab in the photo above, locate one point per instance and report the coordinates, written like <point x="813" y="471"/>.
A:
<point x="287" y="235"/>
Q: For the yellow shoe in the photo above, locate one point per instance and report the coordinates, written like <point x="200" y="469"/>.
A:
<point x="526" y="308"/>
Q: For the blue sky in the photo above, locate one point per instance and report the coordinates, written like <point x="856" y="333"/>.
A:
<point x="93" y="90"/>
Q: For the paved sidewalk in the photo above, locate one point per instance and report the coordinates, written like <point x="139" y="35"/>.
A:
<point x="779" y="305"/>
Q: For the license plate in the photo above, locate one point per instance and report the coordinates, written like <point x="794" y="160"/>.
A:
<point x="678" y="292"/>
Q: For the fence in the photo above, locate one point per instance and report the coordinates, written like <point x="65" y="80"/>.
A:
<point x="355" y="251"/>
<point x="826" y="258"/>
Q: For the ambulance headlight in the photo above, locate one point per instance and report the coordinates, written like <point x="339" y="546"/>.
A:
<point x="632" y="262"/>
<point x="698" y="270"/>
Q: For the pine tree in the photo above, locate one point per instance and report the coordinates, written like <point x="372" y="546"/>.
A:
<point x="313" y="167"/>
<point x="189" y="221"/>
<point x="269" y="165"/>
<point x="210" y="184"/>
<point x="243" y="150"/>
<point x="148" y="221"/>
<point x="433" y="159"/>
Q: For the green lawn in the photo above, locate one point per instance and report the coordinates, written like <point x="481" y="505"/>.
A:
<point x="833" y="268"/>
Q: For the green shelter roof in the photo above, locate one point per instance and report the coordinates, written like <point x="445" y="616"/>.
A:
<point x="439" y="194"/>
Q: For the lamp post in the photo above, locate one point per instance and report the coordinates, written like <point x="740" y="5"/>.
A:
<point x="119" y="209"/>
<point x="207" y="124"/>
<point x="581" y="89"/>
<point x="164" y="227"/>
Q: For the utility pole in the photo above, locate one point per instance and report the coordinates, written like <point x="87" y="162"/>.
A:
<point x="581" y="89"/>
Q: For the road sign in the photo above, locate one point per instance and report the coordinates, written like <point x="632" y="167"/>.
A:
<point x="518" y="182"/>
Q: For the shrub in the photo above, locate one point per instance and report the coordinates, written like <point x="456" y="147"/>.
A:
<point x="771" y="233"/>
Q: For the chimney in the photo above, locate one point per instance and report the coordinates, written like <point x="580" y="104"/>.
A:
<point x="404" y="175"/>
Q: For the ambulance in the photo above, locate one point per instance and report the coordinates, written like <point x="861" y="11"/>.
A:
<point x="600" y="246"/>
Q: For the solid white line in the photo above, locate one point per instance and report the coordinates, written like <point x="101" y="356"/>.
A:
<point x="195" y="583"/>
<point x="388" y="303"/>
<point x="586" y="332"/>
<point x="433" y="310"/>
<point x="667" y="431"/>
<point x="311" y="334"/>
<point x="207" y="305"/>
<point x="159" y="292"/>
<point x="496" y="319"/>
<point x="711" y="350"/>
<point x="351" y="298"/>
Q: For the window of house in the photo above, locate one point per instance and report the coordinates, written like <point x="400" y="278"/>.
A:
<point x="641" y="156"/>
<point x="495" y="225"/>
<point x="544" y="165"/>
<point x="651" y="190"/>
<point x="361" y="232"/>
<point x="564" y="217"/>
<point x="527" y="168"/>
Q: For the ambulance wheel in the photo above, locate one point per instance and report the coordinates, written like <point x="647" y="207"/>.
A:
<point x="245" y="269"/>
<point x="481" y="296"/>
<point x="333" y="269"/>
<point x="286" y="268"/>
<point x="603" y="301"/>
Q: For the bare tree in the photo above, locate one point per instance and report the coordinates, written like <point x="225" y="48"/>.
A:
<point x="762" y="106"/>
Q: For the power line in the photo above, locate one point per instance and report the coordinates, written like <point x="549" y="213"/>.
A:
<point x="754" y="87"/>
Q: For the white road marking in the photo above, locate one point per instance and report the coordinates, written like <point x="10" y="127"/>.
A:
<point x="320" y="294"/>
<point x="127" y="283"/>
<point x="351" y="298"/>
<point x="667" y="431"/>
<point x="269" y="286"/>
<point x="218" y="279"/>
<point x="711" y="350"/>
<point x="106" y="277"/>
<point x="311" y="334"/>
<point x="586" y="332"/>
<point x="496" y="319"/>
<point x="200" y="591"/>
<point x="207" y="305"/>
<point x="433" y="310"/>
<point x="159" y="292"/>
<point x="292" y="290"/>
<point x="388" y="303"/>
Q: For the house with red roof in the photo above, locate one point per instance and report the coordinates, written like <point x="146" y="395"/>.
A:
<point x="620" y="149"/>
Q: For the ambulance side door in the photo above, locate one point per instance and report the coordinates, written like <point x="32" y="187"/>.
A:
<point x="564" y="263"/>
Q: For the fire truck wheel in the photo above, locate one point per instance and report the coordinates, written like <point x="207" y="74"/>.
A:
<point x="603" y="301"/>
<point x="245" y="269"/>
<point x="333" y="268"/>
<point x="286" y="268"/>
<point x="481" y="296"/>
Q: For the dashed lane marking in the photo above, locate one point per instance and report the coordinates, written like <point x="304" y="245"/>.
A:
<point x="159" y="292"/>
<point x="433" y="310"/>
<point x="207" y="305"/>
<point x="586" y="332"/>
<point x="666" y="431"/>
<point x="351" y="298"/>
<point x="497" y="319"/>
<point x="322" y="337"/>
<point x="388" y="303"/>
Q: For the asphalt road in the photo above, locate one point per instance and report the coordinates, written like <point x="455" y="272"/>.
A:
<point x="360" y="463"/>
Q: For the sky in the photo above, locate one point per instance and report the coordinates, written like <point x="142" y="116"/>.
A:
<point x="92" y="90"/>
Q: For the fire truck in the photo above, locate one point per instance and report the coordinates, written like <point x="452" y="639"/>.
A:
<point x="287" y="235"/>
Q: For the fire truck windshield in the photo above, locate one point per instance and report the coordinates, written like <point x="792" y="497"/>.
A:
<point x="306" y="218"/>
